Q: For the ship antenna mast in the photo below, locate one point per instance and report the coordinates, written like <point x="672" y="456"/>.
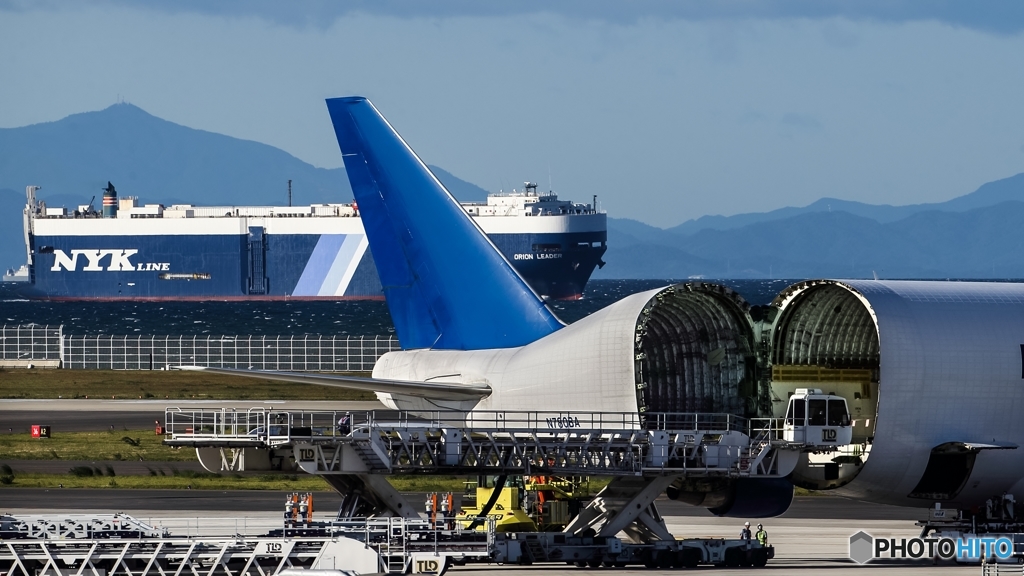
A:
<point x="289" y="193"/>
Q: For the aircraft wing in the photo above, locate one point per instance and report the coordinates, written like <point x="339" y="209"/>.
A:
<point x="430" y="390"/>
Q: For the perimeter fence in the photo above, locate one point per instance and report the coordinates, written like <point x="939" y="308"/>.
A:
<point x="23" y="344"/>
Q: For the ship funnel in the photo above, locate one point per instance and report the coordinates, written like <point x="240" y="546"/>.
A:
<point x="109" y="201"/>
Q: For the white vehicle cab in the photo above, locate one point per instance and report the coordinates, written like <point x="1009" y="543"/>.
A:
<point x="817" y="419"/>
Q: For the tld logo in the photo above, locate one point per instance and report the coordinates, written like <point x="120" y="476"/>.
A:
<point x="119" y="261"/>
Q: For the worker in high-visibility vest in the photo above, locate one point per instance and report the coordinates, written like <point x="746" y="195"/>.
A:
<point x="761" y="535"/>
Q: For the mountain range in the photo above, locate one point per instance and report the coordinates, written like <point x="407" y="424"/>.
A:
<point x="972" y="236"/>
<point x="976" y="235"/>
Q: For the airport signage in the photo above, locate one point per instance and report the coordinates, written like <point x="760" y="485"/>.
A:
<point x="864" y="548"/>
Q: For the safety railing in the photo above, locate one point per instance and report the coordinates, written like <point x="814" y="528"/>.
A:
<point x="484" y="441"/>
<point x="289" y="353"/>
<point x="1005" y="568"/>
<point x="261" y="426"/>
<point x="122" y="526"/>
<point x="30" y="342"/>
<point x="308" y="353"/>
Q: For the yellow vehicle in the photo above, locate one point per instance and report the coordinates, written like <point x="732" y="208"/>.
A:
<point x="524" y="503"/>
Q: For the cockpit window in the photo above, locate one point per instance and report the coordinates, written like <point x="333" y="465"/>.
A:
<point x="816" y="412"/>
<point x="837" y="415"/>
<point x="795" y="415"/>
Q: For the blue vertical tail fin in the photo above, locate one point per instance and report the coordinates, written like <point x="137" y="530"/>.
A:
<point x="446" y="285"/>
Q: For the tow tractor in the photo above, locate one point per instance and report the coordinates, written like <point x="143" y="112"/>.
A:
<point x="526" y="503"/>
<point x="999" y="518"/>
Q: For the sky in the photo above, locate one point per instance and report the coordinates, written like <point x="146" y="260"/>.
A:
<point x="667" y="110"/>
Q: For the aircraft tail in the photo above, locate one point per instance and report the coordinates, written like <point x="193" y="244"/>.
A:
<point x="446" y="285"/>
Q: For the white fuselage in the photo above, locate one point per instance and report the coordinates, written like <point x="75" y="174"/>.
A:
<point x="949" y="370"/>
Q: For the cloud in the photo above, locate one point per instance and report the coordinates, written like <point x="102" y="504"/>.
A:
<point x="995" y="16"/>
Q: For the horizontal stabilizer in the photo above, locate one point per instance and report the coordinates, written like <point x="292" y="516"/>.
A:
<point x="429" y="390"/>
<point x="955" y="447"/>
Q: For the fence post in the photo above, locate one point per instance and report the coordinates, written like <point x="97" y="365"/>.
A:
<point x="60" y="344"/>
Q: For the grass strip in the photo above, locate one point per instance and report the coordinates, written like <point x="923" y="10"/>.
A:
<point x="161" y="384"/>
<point x="198" y="481"/>
<point x="187" y="480"/>
<point x="108" y="445"/>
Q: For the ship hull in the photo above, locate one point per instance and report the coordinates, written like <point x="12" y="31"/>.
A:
<point x="269" y="259"/>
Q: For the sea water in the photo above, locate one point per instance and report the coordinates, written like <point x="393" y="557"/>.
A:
<point x="293" y="318"/>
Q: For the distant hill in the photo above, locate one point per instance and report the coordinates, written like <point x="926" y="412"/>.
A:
<point x="980" y="243"/>
<point x="159" y="161"/>
<point x="462" y="190"/>
<point x="832" y="237"/>
<point x="1005" y="190"/>
<point x="12" y="239"/>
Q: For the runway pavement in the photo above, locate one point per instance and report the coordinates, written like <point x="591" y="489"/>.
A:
<point x="16" y="416"/>
<point x="812" y="538"/>
<point x="804" y="507"/>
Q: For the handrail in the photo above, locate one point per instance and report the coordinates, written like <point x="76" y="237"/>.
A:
<point x="268" y="425"/>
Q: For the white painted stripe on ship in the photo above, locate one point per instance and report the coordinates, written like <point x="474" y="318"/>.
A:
<point x="333" y="225"/>
<point x="362" y="243"/>
<point x="139" y="227"/>
<point x="318" y="265"/>
<point x="226" y="226"/>
<point x="543" y="224"/>
<point x="320" y="225"/>
<point x="342" y="268"/>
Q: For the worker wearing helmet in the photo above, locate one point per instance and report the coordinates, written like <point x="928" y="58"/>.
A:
<point x="761" y="535"/>
<point x="745" y="533"/>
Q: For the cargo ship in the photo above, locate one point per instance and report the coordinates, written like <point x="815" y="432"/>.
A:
<point x="134" y="251"/>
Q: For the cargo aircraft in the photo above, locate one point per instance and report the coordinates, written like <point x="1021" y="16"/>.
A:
<point x="932" y="372"/>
